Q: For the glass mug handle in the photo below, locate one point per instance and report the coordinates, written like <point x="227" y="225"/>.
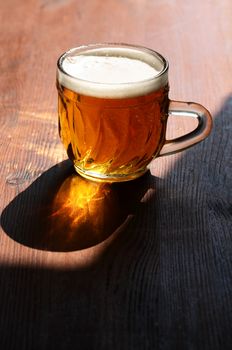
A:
<point x="190" y="110"/>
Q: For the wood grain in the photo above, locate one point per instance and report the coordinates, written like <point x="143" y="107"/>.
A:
<point x="158" y="275"/>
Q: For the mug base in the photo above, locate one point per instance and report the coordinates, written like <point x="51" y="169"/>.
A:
<point x="93" y="176"/>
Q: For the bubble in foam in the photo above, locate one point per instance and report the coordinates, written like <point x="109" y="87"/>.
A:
<point x="108" y="69"/>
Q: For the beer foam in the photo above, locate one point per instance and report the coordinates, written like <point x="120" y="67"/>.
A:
<point x="110" y="70"/>
<point x="115" y="72"/>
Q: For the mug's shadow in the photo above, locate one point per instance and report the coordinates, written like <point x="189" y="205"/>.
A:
<point x="61" y="211"/>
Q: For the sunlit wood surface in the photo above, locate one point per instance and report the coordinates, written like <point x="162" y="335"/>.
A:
<point x="145" y="265"/>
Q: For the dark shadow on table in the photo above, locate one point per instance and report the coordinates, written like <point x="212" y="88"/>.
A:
<point x="62" y="211"/>
<point x="194" y="223"/>
<point x="163" y="283"/>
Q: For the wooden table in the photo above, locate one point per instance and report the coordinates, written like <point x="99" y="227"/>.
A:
<point x="151" y="266"/>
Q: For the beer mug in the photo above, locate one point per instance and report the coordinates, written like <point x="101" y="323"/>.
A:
<point x="113" y="110"/>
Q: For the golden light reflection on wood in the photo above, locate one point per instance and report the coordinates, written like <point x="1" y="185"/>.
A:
<point x="83" y="212"/>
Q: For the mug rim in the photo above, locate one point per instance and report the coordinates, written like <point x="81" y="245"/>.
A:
<point x="161" y="78"/>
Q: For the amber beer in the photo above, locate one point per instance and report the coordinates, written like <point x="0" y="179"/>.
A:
<point x="112" y="130"/>
<point x="113" y="109"/>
